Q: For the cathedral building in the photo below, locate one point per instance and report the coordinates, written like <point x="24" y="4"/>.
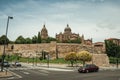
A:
<point x="68" y="35"/>
<point x="44" y="33"/>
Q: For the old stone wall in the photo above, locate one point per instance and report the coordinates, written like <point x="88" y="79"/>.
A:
<point x="54" y="49"/>
<point x="101" y="60"/>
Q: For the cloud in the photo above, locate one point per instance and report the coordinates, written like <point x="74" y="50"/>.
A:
<point x="84" y="17"/>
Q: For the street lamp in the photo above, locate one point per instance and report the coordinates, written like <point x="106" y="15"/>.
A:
<point x="3" y="56"/>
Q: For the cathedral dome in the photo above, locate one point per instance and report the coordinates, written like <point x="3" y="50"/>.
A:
<point x="67" y="29"/>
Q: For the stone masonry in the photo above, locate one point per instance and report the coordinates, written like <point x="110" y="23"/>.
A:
<point x="54" y="49"/>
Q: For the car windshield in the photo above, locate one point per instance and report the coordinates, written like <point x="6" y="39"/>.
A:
<point x="5" y="62"/>
<point x="88" y="65"/>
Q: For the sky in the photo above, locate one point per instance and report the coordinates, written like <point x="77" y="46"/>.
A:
<point x="96" y="19"/>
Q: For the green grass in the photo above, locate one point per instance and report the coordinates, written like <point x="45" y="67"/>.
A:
<point x="113" y="60"/>
<point x="14" y="58"/>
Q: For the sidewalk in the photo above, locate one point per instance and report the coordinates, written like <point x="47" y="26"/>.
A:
<point x="55" y="67"/>
<point x="63" y="66"/>
<point x="111" y="67"/>
<point x="5" y="74"/>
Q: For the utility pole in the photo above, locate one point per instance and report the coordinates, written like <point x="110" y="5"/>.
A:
<point x="3" y="56"/>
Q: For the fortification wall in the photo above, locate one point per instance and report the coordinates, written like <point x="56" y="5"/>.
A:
<point x="60" y="49"/>
<point x="101" y="60"/>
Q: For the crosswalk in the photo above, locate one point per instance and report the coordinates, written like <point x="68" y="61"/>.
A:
<point x="26" y="72"/>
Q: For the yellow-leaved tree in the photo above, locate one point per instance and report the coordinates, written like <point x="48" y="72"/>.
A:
<point x="84" y="56"/>
<point x="72" y="57"/>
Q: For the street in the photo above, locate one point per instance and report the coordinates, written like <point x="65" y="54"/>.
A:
<point x="42" y="74"/>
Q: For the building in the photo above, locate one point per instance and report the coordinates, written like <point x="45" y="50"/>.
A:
<point x="114" y="40"/>
<point x="67" y="35"/>
<point x="44" y="33"/>
<point x="88" y="42"/>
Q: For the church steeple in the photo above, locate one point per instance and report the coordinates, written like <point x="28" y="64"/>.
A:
<point x="44" y="32"/>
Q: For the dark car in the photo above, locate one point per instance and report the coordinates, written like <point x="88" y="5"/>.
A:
<point x="17" y="64"/>
<point x="88" y="68"/>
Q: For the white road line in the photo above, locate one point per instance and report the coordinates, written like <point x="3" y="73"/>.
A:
<point x="16" y="75"/>
<point x="44" y="74"/>
<point x="25" y="72"/>
<point x="11" y="78"/>
<point x="56" y="69"/>
<point x="44" y="71"/>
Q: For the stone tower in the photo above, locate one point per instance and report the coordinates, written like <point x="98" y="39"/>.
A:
<point x="44" y="33"/>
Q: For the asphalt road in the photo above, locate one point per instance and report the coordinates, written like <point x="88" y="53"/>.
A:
<point x="39" y="74"/>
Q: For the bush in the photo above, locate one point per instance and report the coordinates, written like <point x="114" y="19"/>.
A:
<point x="113" y="60"/>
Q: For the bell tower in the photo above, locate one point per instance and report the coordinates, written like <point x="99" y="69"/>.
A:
<point x="44" y="33"/>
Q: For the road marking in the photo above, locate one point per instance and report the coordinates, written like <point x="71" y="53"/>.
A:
<point x="44" y="71"/>
<point x="25" y="72"/>
<point x="44" y="74"/>
<point x="56" y="69"/>
<point x="16" y="75"/>
<point x="11" y="78"/>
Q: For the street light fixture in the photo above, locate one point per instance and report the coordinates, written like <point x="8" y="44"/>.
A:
<point x="3" y="56"/>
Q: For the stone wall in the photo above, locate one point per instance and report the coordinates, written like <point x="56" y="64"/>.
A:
<point x="60" y="49"/>
<point x="101" y="60"/>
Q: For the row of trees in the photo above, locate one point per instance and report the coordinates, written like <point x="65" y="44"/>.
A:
<point x="35" y="39"/>
<point x="21" y="40"/>
<point x="82" y="56"/>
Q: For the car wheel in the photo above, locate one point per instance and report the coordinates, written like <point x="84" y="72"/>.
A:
<point x="96" y="70"/>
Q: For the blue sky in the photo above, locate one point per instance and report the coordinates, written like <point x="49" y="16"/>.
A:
<point x="97" y="19"/>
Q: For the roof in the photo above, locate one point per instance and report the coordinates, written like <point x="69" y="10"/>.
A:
<point x="112" y="39"/>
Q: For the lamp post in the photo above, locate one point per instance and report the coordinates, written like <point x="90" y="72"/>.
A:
<point x="3" y="56"/>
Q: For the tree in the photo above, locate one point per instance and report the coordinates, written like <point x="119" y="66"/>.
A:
<point x="49" y="39"/>
<point x="71" y="57"/>
<point x="28" y="41"/>
<point x="112" y="49"/>
<point x="39" y="38"/>
<point x="3" y="38"/>
<point x="78" y="40"/>
<point x="34" y="39"/>
<point x="20" y="40"/>
<point x="84" y="56"/>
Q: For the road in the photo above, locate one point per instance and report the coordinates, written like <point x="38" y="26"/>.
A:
<point x="40" y="74"/>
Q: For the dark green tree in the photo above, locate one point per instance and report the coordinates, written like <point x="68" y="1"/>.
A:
<point x="112" y="49"/>
<point x="39" y="38"/>
<point x="28" y="41"/>
<point x="34" y="39"/>
<point x="49" y="39"/>
<point x="20" y="40"/>
<point x="78" y="40"/>
<point x="3" y="38"/>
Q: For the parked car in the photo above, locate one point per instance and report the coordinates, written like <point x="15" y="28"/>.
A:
<point x="88" y="68"/>
<point x="17" y="64"/>
<point x="6" y="64"/>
